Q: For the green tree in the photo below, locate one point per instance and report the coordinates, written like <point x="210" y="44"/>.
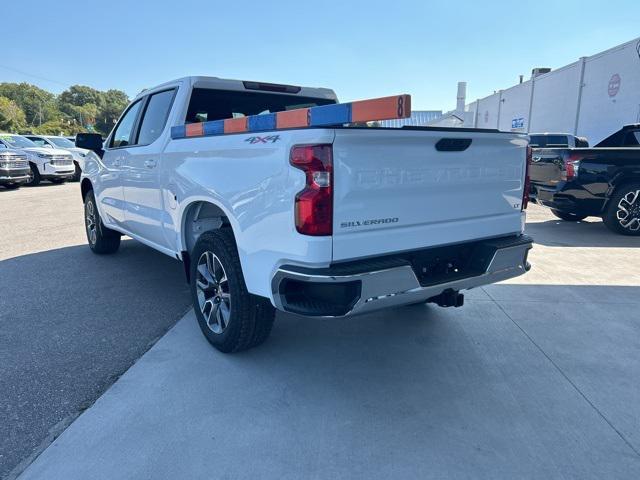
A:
<point x="38" y="105"/>
<point x="58" y="127"/>
<point x="113" y="104"/>
<point x="12" y="118"/>
<point x="92" y="108"/>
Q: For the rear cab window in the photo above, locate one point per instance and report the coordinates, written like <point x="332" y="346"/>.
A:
<point x="549" y="141"/>
<point x="155" y="116"/>
<point x="207" y="104"/>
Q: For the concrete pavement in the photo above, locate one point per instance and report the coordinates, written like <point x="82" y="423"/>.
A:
<point x="536" y="378"/>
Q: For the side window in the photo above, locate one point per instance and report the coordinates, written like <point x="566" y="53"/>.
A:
<point x="38" y="141"/>
<point x="632" y="139"/>
<point x="124" y="131"/>
<point x="155" y="117"/>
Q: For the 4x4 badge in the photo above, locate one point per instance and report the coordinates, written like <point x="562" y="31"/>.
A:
<point x="267" y="139"/>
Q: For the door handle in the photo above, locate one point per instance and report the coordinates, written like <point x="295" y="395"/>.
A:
<point x="150" y="163"/>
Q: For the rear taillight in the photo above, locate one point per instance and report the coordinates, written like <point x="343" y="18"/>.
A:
<point x="571" y="166"/>
<point x="527" y="181"/>
<point x="314" y="204"/>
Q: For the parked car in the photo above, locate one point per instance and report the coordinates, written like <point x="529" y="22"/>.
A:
<point x="14" y="167"/>
<point x="556" y="140"/>
<point x="50" y="164"/>
<point x="322" y="221"/>
<point x="602" y="181"/>
<point x="53" y="141"/>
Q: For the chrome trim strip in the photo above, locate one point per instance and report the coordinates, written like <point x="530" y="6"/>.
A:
<point x="17" y="177"/>
<point x="400" y="286"/>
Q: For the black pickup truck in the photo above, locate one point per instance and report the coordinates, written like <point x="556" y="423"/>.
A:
<point x="602" y="181"/>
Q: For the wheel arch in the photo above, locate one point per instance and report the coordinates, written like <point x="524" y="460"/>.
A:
<point x="619" y="182"/>
<point x="200" y="216"/>
<point x="85" y="187"/>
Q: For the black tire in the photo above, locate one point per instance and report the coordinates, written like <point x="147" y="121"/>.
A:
<point x="250" y="318"/>
<point x="568" y="216"/>
<point x="77" y="173"/>
<point x="623" y="210"/>
<point x="35" y="176"/>
<point x="11" y="186"/>
<point x="102" y="240"/>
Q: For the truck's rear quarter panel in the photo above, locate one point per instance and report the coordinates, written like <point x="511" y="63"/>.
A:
<point x="394" y="191"/>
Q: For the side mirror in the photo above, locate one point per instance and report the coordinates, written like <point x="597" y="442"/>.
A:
<point x="90" y="141"/>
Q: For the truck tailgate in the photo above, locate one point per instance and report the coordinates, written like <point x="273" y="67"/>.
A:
<point x="547" y="167"/>
<point x="395" y="191"/>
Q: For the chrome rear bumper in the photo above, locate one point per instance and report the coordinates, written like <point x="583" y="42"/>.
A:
<point x="395" y="285"/>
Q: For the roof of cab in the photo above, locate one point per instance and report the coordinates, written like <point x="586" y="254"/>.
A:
<point x="230" y="84"/>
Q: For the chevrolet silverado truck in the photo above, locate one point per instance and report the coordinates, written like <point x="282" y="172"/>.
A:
<point x="602" y="181"/>
<point x="50" y="164"/>
<point x="320" y="221"/>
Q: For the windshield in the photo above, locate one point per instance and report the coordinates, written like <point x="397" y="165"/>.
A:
<point x="548" y="141"/>
<point x="17" y="141"/>
<point x="61" y="142"/>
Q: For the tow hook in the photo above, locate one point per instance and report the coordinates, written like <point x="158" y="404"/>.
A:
<point x="448" y="298"/>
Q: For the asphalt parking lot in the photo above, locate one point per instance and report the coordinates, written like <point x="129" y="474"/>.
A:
<point x="70" y="322"/>
<point x="535" y="378"/>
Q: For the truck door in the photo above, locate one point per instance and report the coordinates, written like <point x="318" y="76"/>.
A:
<point x="144" y="206"/>
<point x="111" y="194"/>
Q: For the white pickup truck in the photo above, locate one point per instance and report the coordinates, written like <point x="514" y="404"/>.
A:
<point x="316" y="221"/>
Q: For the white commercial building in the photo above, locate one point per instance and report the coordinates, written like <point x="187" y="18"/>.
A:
<point x="592" y="97"/>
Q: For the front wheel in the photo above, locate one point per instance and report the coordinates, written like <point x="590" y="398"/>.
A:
<point x="76" y="173"/>
<point x="34" y="176"/>
<point x="623" y="211"/>
<point x="102" y="240"/>
<point x="229" y="316"/>
<point x="568" y="216"/>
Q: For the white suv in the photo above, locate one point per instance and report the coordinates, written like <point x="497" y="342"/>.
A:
<point x="51" y="164"/>
<point x="54" y="141"/>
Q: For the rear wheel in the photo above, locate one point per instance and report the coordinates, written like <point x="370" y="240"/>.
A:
<point x="623" y="212"/>
<point x="102" y="240"/>
<point x="229" y="316"/>
<point x="568" y="216"/>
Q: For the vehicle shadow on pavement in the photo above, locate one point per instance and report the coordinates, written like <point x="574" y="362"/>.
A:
<point x="590" y="232"/>
<point x="71" y="322"/>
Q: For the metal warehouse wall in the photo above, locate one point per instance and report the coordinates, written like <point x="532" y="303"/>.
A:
<point x="592" y="97"/>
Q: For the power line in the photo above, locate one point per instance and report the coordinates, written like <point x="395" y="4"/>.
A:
<point x="33" y="76"/>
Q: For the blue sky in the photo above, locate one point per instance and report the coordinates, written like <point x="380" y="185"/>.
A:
<point x="361" y="49"/>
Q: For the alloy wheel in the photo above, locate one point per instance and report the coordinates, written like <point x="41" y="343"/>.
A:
<point x="90" y="222"/>
<point x="212" y="287"/>
<point x="628" y="213"/>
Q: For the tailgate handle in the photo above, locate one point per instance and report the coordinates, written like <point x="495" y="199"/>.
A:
<point x="453" y="144"/>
